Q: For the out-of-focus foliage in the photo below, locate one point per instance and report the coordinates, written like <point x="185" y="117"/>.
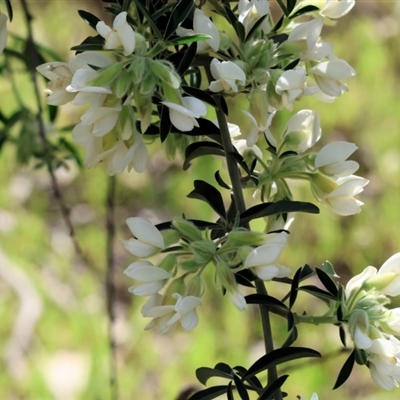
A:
<point x="52" y="304"/>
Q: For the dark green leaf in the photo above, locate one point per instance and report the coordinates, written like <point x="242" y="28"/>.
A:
<point x="202" y="225"/>
<point x="253" y="30"/>
<point x="272" y="388"/>
<point x="161" y="11"/>
<point x="253" y="380"/>
<point x="277" y="27"/>
<point x="198" y="149"/>
<point x="327" y="267"/>
<point x="306" y="272"/>
<point x="241" y="388"/>
<point x="220" y="181"/>
<point x="280" y="207"/>
<point x="223" y="105"/>
<point x="208" y="193"/>
<point x="224" y="367"/>
<point x="229" y="392"/>
<point x="89" y="18"/>
<point x="210" y="393"/>
<point x="304" y="10"/>
<point x="279" y="356"/>
<point x="290" y="320"/>
<point x="205" y="128"/>
<point x="342" y="334"/>
<point x="188" y="39"/>
<point x="293" y="335"/>
<point x="52" y="110"/>
<point x="292" y="65"/>
<point x="150" y="21"/>
<point x="293" y="289"/>
<point x="72" y="150"/>
<point x="290" y="5"/>
<point x="327" y="281"/>
<point x="361" y="357"/>
<point x="90" y="43"/>
<point x="199" y="94"/>
<point x="9" y="10"/>
<point x="265" y="300"/>
<point x="240" y="31"/>
<point x="242" y="278"/>
<point x="165" y="123"/>
<point x="230" y="16"/>
<point x="345" y="371"/>
<point x="178" y="15"/>
<point x="317" y="292"/>
<point x="203" y="374"/>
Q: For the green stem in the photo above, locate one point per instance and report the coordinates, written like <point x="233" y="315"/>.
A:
<point x="235" y="177"/>
<point x="310" y="319"/>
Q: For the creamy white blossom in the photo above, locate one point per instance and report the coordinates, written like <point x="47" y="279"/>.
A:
<point x="336" y="8"/>
<point x="121" y="34"/>
<point x="302" y="131"/>
<point x="256" y="128"/>
<point x="237" y="299"/>
<point x="227" y="76"/>
<point x="153" y="278"/>
<point x="332" y="159"/>
<point x="3" y="32"/>
<point x="202" y="25"/>
<point x="250" y="11"/>
<point x="309" y="31"/>
<point x="148" y="239"/>
<point x="314" y="396"/>
<point x="184" y="116"/>
<point x="166" y="316"/>
<point x="263" y="259"/>
<point x="328" y="76"/>
<point x="101" y="119"/>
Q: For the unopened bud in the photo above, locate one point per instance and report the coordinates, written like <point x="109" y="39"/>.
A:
<point x="165" y="73"/>
<point x="203" y="250"/>
<point x="168" y="263"/>
<point x="250" y="238"/>
<point x="107" y="75"/>
<point x="195" y="287"/>
<point x="187" y="229"/>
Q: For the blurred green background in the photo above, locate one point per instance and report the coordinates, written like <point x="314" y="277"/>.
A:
<point x="53" y="329"/>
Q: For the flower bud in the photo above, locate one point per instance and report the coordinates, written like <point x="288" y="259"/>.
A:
<point x="195" y="287"/>
<point x="171" y="236"/>
<point x="122" y="85"/>
<point x="176" y="286"/>
<point x="168" y="263"/>
<point x="203" y="250"/>
<point x="250" y="238"/>
<point x="165" y="73"/>
<point x="225" y="41"/>
<point x="187" y="229"/>
<point x="107" y="75"/>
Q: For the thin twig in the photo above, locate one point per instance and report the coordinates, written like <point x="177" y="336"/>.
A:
<point x="33" y="61"/>
<point x="110" y="284"/>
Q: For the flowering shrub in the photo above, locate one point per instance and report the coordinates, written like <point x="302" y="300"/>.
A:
<point x="164" y="71"/>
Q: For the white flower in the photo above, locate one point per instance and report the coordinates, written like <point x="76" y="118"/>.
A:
<point x="313" y="397"/>
<point x="202" y="25"/>
<point x="3" y="31"/>
<point x="309" y="31"/>
<point x="256" y="127"/>
<point x="331" y="159"/>
<point x="166" y="316"/>
<point x="153" y="278"/>
<point x="264" y="258"/>
<point x="243" y="148"/>
<point x="302" y="131"/>
<point x="184" y="116"/>
<point x="61" y="74"/>
<point x="121" y="35"/>
<point x="82" y="82"/>
<point x="388" y="276"/>
<point x="250" y="11"/>
<point x="339" y="195"/>
<point x="328" y="75"/>
<point x="227" y="74"/>
<point x="292" y="85"/>
<point x="336" y="8"/>
<point x="102" y="119"/>
<point x="237" y="299"/>
<point x="384" y="362"/>
<point x="148" y="239"/>
<point x="357" y="282"/>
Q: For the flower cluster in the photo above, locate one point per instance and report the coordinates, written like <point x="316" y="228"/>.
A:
<point x="190" y="255"/>
<point x="372" y="325"/>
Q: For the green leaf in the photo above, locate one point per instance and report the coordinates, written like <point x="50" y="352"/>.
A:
<point x="253" y="380"/>
<point x="253" y="30"/>
<point x="327" y="267"/>
<point x="290" y="5"/>
<point x="203" y="374"/>
<point x="178" y="15"/>
<point x="245" y="277"/>
<point x="279" y="356"/>
<point x="304" y="10"/>
<point x="278" y="25"/>
<point x="317" y="292"/>
<point x="52" y="110"/>
<point x="294" y="286"/>
<point x="220" y="181"/>
<point x="240" y="31"/>
<point x="188" y="39"/>
<point x="210" y="393"/>
<point x="279" y="207"/>
<point x="272" y="388"/>
<point x="160" y="12"/>
<point x="165" y="123"/>
<point x="327" y="281"/>
<point x="241" y="388"/>
<point x="265" y="300"/>
<point x="293" y="335"/>
<point x="345" y="371"/>
<point x="89" y="18"/>
<point x="9" y="10"/>
<point x="199" y="149"/>
<point x="149" y="19"/>
<point x="95" y="43"/>
<point x="187" y="59"/>
<point x="342" y="335"/>
<point x="208" y="193"/>
<point x="199" y="94"/>
<point x="229" y="392"/>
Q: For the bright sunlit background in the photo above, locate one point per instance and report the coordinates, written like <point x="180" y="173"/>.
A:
<point x="53" y="328"/>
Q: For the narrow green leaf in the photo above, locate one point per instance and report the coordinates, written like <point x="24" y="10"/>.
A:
<point x="342" y="334"/>
<point x="187" y="59"/>
<point x="203" y="374"/>
<point x="9" y="10"/>
<point x="89" y="18"/>
<point x="229" y="392"/>
<point x="253" y="30"/>
<point x="293" y="335"/>
<point x="241" y="388"/>
<point x="199" y="149"/>
<point x="304" y="10"/>
<point x="210" y="393"/>
<point x="272" y="388"/>
<point x="208" y="193"/>
<point x="160" y="12"/>
<point x="220" y="181"/>
<point x="245" y="277"/>
<point x="279" y="207"/>
<point x="149" y="19"/>
<point x="165" y="123"/>
<point x="345" y="371"/>
<point x="188" y="39"/>
<point x="200" y="94"/>
<point x="293" y="289"/>
<point x="279" y="356"/>
<point x="327" y="281"/>
<point x="317" y="292"/>
<point x="240" y="31"/>
<point x="290" y="5"/>
<point x="178" y="15"/>
<point x="265" y="300"/>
